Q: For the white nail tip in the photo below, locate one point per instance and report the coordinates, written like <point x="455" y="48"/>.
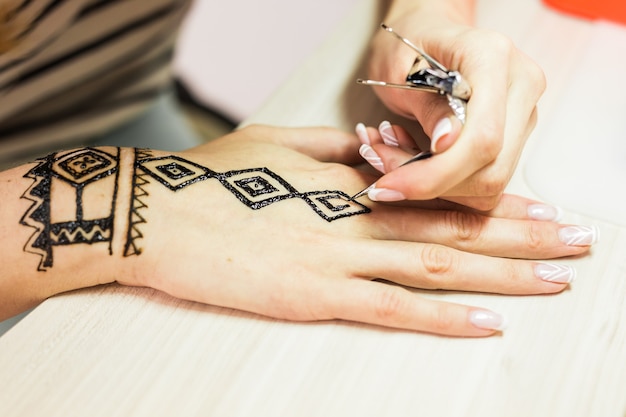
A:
<point x="387" y="133"/>
<point x="361" y="132"/>
<point x="442" y="128"/>
<point x="561" y="274"/>
<point x="579" y="235"/>
<point x="371" y="157"/>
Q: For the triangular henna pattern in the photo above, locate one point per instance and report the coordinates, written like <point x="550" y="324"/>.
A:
<point x="38" y="214"/>
<point x="137" y="203"/>
<point x="78" y="168"/>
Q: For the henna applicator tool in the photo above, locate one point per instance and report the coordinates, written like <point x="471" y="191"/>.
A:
<point x="427" y="74"/>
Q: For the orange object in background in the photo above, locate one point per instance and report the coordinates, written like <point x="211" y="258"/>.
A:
<point x="614" y="10"/>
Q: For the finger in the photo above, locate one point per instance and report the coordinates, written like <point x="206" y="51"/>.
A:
<point x="391" y="306"/>
<point x="481" y="203"/>
<point x="479" y="143"/>
<point x="387" y="147"/>
<point x="454" y="173"/>
<point x="445" y="133"/>
<point x="508" y="207"/>
<point x="491" y="180"/>
<point x="438" y="267"/>
<point x="388" y="134"/>
<point x="391" y="157"/>
<point x="516" y="207"/>
<point x="485" y="235"/>
<point x="526" y="86"/>
<point x="391" y="145"/>
<point x="397" y="136"/>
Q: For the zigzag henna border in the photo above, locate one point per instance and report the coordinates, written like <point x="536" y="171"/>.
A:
<point x="136" y="203"/>
<point x="39" y="194"/>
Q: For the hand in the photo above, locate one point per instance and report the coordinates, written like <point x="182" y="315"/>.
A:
<point x="285" y="260"/>
<point x="477" y="159"/>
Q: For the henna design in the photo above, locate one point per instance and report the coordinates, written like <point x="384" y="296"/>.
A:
<point x="174" y="172"/>
<point x="136" y="203"/>
<point x="78" y="169"/>
<point x="254" y="187"/>
<point x="38" y="214"/>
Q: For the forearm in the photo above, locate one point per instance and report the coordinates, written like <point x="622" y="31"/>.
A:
<point x="459" y="11"/>
<point x="57" y="221"/>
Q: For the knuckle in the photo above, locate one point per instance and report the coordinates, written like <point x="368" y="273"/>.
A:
<point x="437" y="262"/>
<point x="534" y="236"/>
<point x="501" y="44"/>
<point x="492" y="185"/>
<point x="489" y="183"/>
<point x="465" y="227"/>
<point x="389" y="303"/>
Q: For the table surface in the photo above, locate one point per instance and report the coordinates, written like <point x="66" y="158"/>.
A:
<point x="113" y="350"/>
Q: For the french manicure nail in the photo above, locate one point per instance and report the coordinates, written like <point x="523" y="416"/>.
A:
<point x="488" y="320"/>
<point x="385" y="194"/>
<point x="545" y="212"/>
<point x="387" y="133"/>
<point x="372" y="157"/>
<point x="550" y="272"/>
<point x="442" y="128"/>
<point x="579" y="235"/>
<point x="361" y="132"/>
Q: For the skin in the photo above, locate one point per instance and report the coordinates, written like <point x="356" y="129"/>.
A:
<point x="477" y="159"/>
<point x="284" y="261"/>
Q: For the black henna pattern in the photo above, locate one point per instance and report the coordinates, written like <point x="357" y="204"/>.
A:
<point x="137" y="203"/>
<point x="254" y="187"/>
<point x="78" y="169"/>
<point x="174" y="172"/>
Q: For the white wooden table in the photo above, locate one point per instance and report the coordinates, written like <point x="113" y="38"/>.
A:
<point x="112" y="351"/>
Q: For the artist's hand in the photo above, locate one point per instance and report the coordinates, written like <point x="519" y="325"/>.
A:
<point x="285" y="260"/>
<point x="477" y="159"/>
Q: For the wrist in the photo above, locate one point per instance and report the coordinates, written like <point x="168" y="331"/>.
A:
<point x="62" y="226"/>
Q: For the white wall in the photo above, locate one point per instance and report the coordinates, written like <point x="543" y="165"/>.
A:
<point x="233" y="53"/>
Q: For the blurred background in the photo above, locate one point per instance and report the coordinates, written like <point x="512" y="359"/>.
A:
<point x="232" y="55"/>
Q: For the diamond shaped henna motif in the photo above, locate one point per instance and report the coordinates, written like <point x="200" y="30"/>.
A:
<point x="333" y="205"/>
<point x="84" y="166"/>
<point x="174" y="172"/>
<point x="257" y="187"/>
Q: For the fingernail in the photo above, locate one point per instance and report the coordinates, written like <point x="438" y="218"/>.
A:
<point x="385" y="194"/>
<point x="488" y="320"/>
<point x="579" y="235"/>
<point x="442" y="128"/>
<point x="545" y="212"/>
<point x="372" y="157"/>
<point x="561" y="274"/>
<point x="387" y="133"/>
<point x="361" y="132"/>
